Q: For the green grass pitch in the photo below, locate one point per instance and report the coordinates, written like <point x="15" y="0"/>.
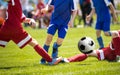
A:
<point x="15" y="61"/>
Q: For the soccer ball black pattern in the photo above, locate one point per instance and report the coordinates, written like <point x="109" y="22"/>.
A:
<point x="86" y="45"/>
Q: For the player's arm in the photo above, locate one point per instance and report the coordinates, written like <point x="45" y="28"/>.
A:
<point x="110" y="5"/>
<point x="113" y="12"/>
<point x="88" y="18"/>
<point x="31" y="22"/>
<point x="47" y="9"/>
<point x="73" y="15"/>
<point x="74" y="9"/>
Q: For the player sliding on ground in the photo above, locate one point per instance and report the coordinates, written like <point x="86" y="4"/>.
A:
<point x="110" y="53"/>
<point x="12" y="30"/>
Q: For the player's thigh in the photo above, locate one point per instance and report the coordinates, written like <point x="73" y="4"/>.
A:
<point x="49" y="39"/>
<point x="106" y="26"/>
<point x="4" y="39"/>
<point x="99" y="25"/>
<point x="22" y="38"/>
<point x="62" y="31"/>
<point x="59" y="41"/>
<point x="52" y="29"/>
<point x="109" y="54"/>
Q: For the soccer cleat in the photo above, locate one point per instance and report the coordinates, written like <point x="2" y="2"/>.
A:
<point x="65" y="60"/>
<point x="42" y="61"/>
<point x="55" y="61"/>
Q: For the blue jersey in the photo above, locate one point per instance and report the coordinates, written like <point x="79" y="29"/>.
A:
<point x="62" y="11"/>
<point x="103" y="14"/>
<point x="101" y="8"/>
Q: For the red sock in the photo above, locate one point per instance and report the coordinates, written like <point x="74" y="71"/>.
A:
<point x="79" y="57"/>
<point x="43" y="53"/>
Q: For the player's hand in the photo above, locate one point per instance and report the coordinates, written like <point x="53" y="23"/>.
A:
<point x="88" y="18"/>
<point x="43" y="11"/>
<point x="115" y="18"/>
<point x="70" y="24"/>
<point x="32" y="23"/>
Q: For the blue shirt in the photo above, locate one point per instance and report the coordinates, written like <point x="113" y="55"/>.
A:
<point x="46" y="1"/>
<point x="62" y="11"/>
<point x="101" y="8"/>
<point x="4" y="4"/>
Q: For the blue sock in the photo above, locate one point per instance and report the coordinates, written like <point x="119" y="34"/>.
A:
<point x="43" y="61"/>
<point x="100" y="41"/>
<point x="55" y="50"/>
<point x="46" y="47"/>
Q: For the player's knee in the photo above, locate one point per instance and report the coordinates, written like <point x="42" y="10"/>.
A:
<point x="93" y="54"/>
<point x="49" y="39"/>
<point x="55" y="45"/>
<point x="115" y="34"/>
<point x="107" y="33"/>
<point x="33" y="43"/>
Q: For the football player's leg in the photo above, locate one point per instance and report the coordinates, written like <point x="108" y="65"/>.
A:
<point x="98" y="34"/>
<point x="106" y="28"/>
<point x="100" y="54"/>
<point x="23" y="38"/>
<point x="3" y="39"/>
<point x="61" y="35"/>
<point x="116" y="40"/>
<point x="51" y="31"/>
<point x="46" y="46"/>
<point x="105" y="53"/>
<point x="55" y="47"/>
<point x="44" y="54"/>
<point x="100" y="39"/>
<point x="78" y="57"/>
<point x="81" y="57"/>
<point x="40" y="50"/>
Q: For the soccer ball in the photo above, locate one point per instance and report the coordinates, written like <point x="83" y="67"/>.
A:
<point x="86" y="45"/>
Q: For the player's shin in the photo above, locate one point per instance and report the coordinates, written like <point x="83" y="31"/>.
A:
<point x="55" y="50"/>
<point x="43" y="53"/>
<point x="43" y="61"/>
<point x="79" y="57"/>
<point x="100" y="41"/>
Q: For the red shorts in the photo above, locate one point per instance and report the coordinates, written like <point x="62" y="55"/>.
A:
<point x="21" y="37"/>
<point x="106" y="53"/>
<point x="111" y="51"/>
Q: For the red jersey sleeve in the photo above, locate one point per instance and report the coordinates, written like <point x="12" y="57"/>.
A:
<point x="23" y="17"/>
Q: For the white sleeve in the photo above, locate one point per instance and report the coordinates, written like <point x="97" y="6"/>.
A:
<point x="13" y="2"/>
<point x="92" y="6"/>
<point x="107" y="2"/>
<point x="75" y="4"/>
<point x="49" y="2"/>
<point x="23" y="15"/>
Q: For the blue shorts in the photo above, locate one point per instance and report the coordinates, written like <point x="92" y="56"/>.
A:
<point x="103" y="25"/>
<point x="62" y="30"/>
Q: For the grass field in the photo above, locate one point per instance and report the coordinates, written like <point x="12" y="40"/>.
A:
<point x="15" y="61"/>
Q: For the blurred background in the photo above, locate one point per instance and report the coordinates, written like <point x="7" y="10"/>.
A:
<point x="31" y="8"/>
